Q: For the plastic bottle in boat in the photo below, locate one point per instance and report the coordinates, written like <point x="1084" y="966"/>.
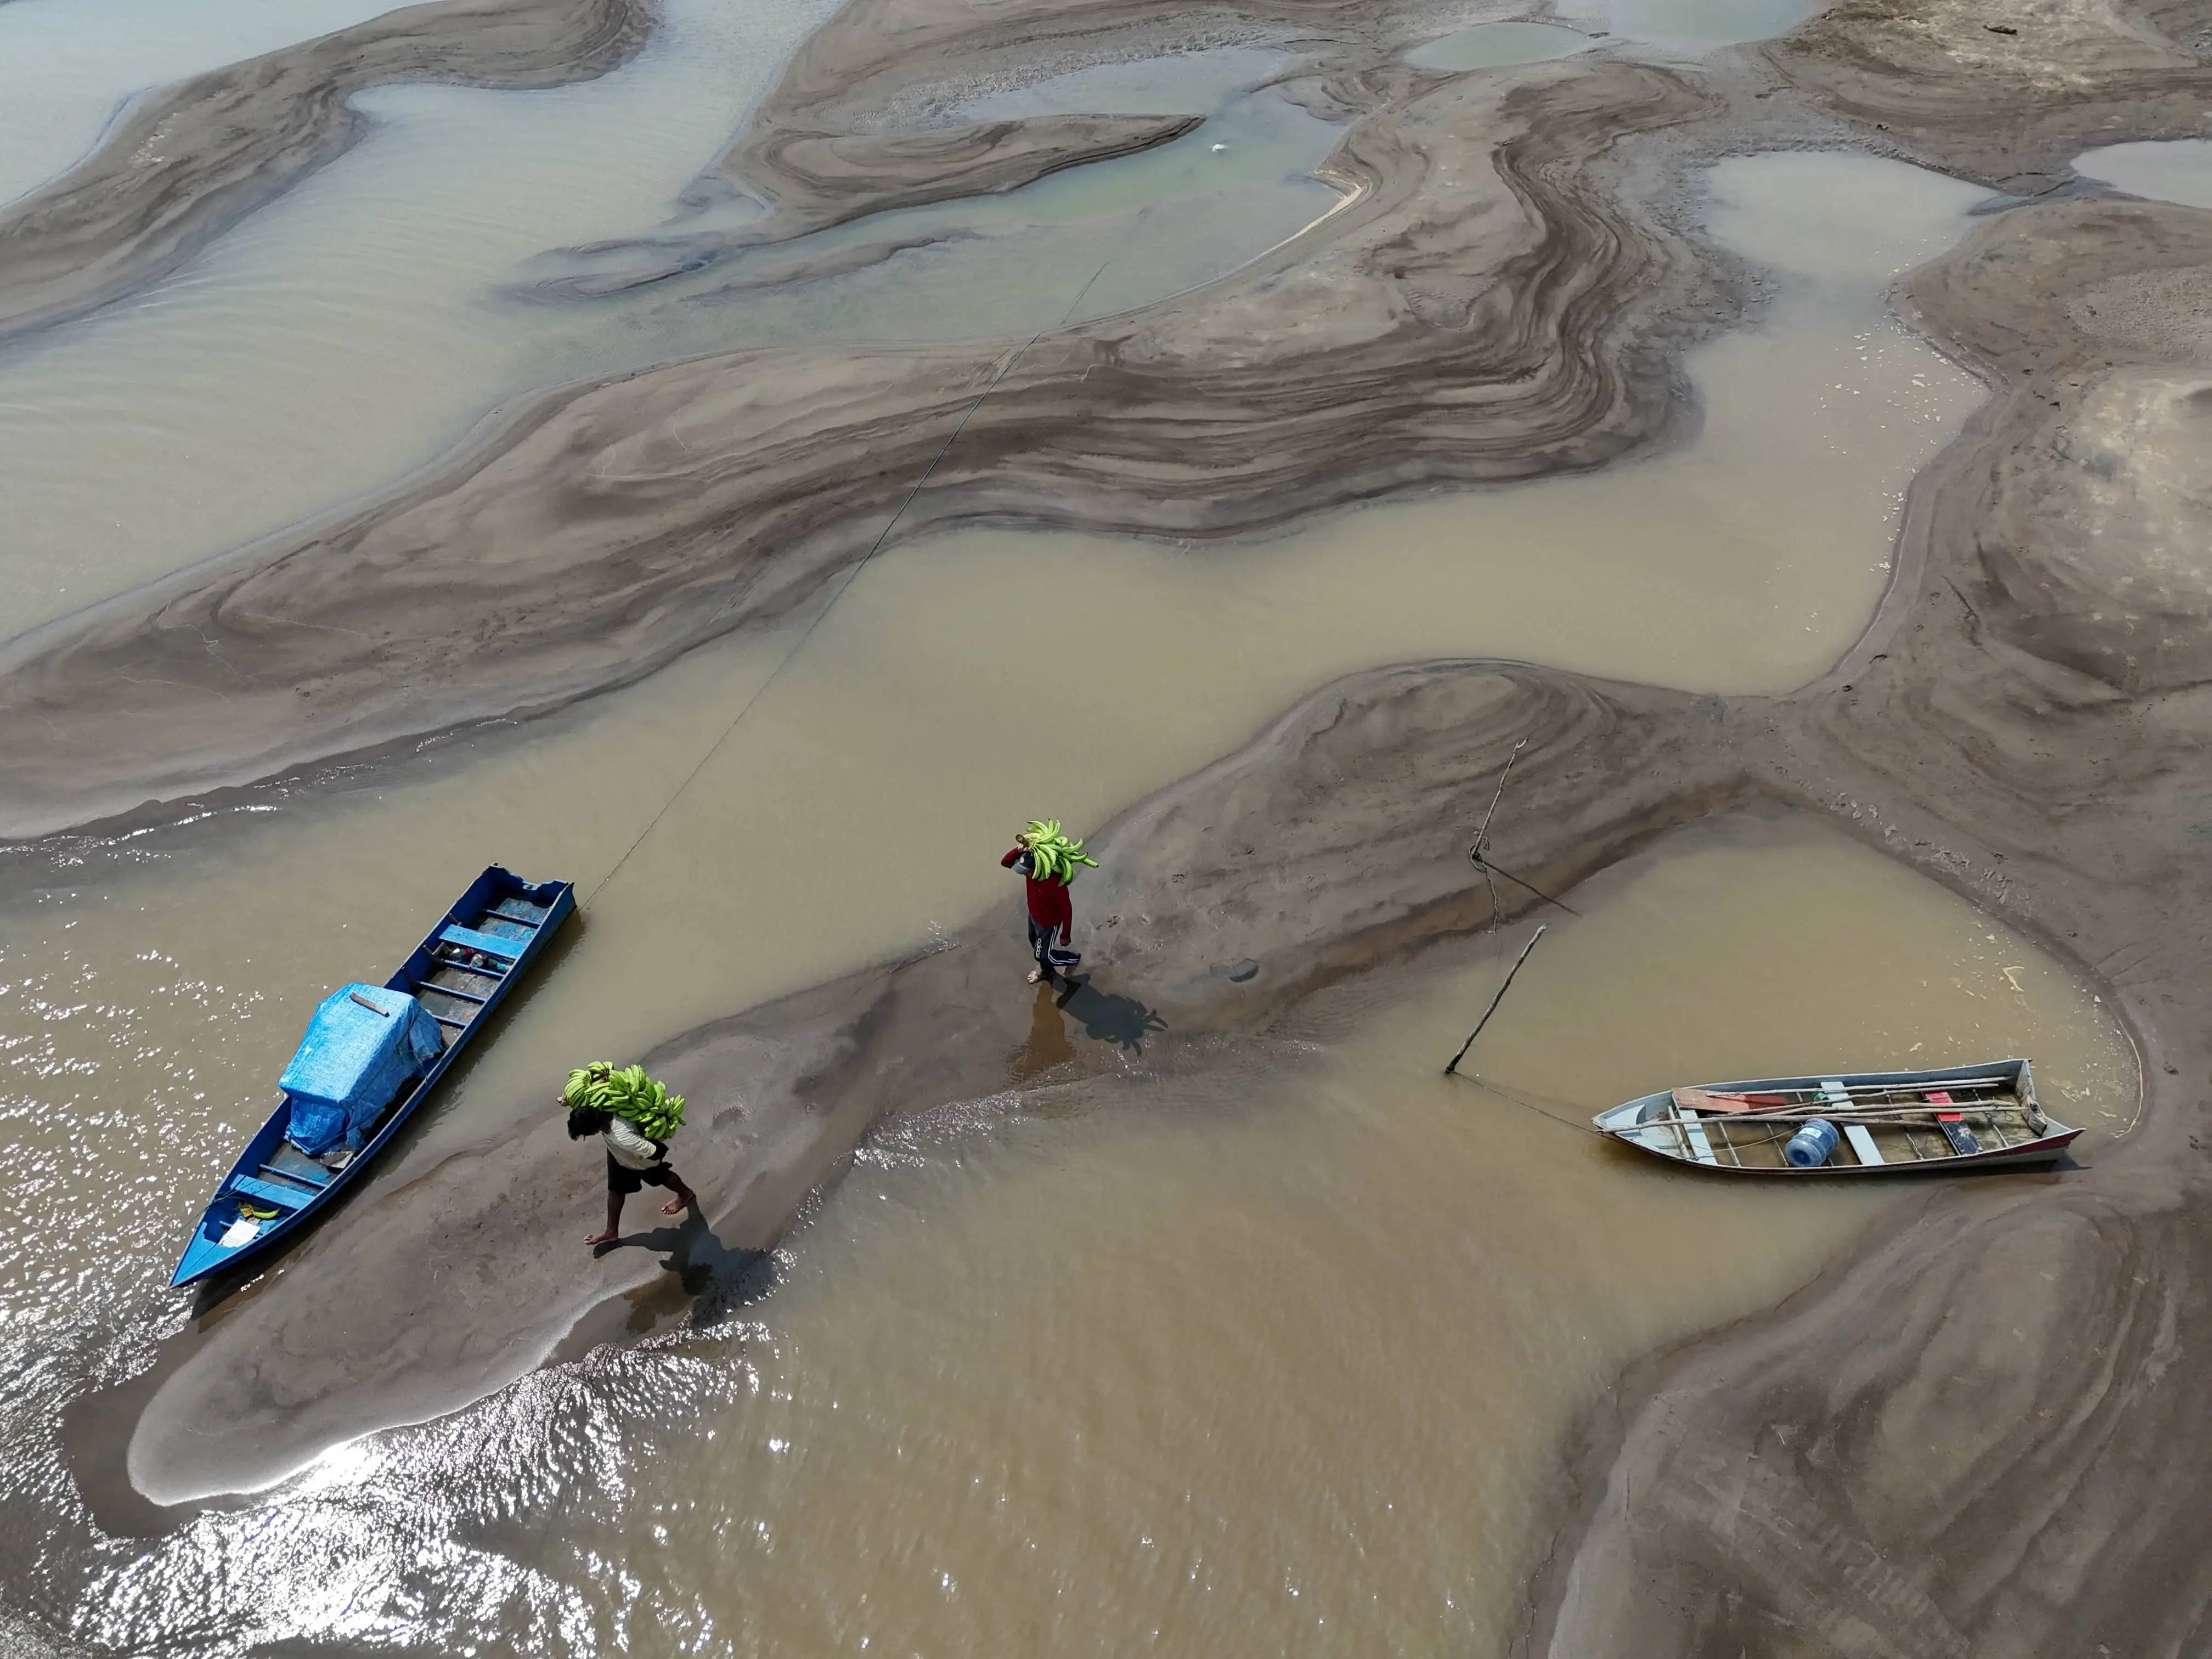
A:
<point x="1809" y="1147"/>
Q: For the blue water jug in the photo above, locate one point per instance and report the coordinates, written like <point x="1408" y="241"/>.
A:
<point x="1809" y="1147"/>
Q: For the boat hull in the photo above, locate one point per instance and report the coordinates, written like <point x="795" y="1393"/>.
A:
<point x="1658" y="1125"/>
<point x="551" y="902"/>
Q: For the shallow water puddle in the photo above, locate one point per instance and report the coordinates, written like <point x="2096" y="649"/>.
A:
<point x="1495" y="45"/>
<point x="1084" y="242"/>
<point x="1273" y="1360"/>
<point x="1690" y="26"/>
<point x="2176" y="170"/>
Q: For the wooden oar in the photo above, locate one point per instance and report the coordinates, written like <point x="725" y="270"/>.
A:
<point x="1722" y="1102"/>
<point x="1870" y="1113"/>
<point x="1824" y="1108"/>
<point x="1867" y="1115"/>
<point x="1727" y="1100"/>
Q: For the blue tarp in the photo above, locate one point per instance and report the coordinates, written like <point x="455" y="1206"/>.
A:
<point x="352" y="1062"/>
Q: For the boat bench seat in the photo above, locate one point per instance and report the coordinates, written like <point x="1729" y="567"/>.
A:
<point x="293" y="1164"/>
<point x="1694" y="1134"/>
<point x="490" y="943"/>
<point x="1860" y="1137"/>
<point x="269" y="1191"/>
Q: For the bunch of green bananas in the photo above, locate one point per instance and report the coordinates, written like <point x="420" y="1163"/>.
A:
<point x="627" y="1093"/>
<point x="1053" y="856"/>
<point x="584" y="1080"/>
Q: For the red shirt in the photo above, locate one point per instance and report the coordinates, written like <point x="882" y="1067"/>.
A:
<point x="1051" y="905"/>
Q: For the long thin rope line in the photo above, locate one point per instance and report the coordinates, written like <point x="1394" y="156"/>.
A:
<point x="846" y="580"/>
<point x="1486" y="1085"/>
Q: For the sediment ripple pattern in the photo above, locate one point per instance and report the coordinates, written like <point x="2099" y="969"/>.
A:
<point x="1974" y="1435"/>
<point x="1481" y="311"/>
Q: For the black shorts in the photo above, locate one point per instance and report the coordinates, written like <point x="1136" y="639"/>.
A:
<point x="621" y="1178"/>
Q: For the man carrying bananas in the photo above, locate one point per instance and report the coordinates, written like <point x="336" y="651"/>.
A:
<point x="1047" y="860"/>
<point x="635" y="1116"/>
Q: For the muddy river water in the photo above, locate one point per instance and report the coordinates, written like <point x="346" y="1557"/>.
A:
<point x="1262" y="1364"/>
<point x="1271" y="1363"/>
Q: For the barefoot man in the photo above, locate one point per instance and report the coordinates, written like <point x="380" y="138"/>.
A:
<point x="1046" y="859"/>
<point x="634" y="1159"/>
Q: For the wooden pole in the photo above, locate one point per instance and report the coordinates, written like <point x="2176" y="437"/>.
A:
<point x="1482" y="836"/>
<point x="1478" y="851"/>
<point x="1494" y="1001"/>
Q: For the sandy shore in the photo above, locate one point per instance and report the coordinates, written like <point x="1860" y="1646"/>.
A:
<point x="186" y="163"/>
<point x="822" y="179"/>
<point x="1358" y="796"/>
<point x="1975" y="1436"/>
<point x="2005" y="94"/>
<point x="1978" y="1437"/>
<point x="812" y="180"/>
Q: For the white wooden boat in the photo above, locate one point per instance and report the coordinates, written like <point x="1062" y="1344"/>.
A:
<point x="1972" y="1117"/>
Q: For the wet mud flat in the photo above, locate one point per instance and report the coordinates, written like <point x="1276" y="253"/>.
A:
<point x="2027" y="745"/>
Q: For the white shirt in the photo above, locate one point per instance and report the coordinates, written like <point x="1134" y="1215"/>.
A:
<point x="627" y="1146"/>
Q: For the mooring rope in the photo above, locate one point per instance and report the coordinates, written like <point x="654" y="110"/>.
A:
<point x="1482" y="1082"/>
<point x="850" y="576"/>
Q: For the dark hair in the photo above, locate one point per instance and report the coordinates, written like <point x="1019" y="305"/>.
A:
<point x="588" y="1121"/>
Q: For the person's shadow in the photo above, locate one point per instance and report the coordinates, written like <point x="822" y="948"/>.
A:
<point x="719" y="1281"/>
<point x="1123" y="1021"/>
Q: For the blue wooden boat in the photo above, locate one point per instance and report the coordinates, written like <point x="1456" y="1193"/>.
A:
<point x="1876" y="1123"/>
<point x="462" y="970"/>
